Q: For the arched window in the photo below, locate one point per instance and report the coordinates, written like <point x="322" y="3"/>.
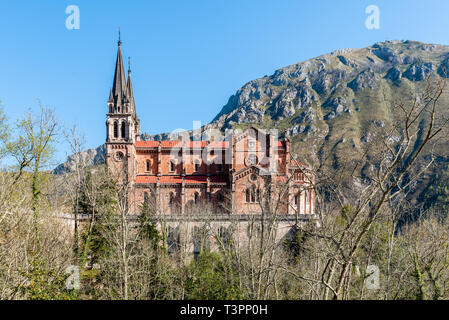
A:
<point x="172" y="165"/>
<point x="252" y="195"/>
<point x="115" y="129"/>
<point x="307" y="197"/>
<point x="123" y="129"/>
<point x="148" y="165"/>
<point x="296" y="200"/>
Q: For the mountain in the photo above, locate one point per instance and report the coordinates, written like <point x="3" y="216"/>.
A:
<point x="330" y="106"/>
<point x="90" y="157"/>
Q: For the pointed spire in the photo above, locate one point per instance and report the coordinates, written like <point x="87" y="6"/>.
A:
<point x="111" y="97"/>
<point x="119" y="88"/>
<point x="130" y="89"/>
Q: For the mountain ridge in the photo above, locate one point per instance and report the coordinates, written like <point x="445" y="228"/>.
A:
<point x="334" y="99"/>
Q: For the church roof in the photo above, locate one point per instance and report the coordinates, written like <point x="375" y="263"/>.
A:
<point x="146" y="179"/>
<point x="147" y="144"/>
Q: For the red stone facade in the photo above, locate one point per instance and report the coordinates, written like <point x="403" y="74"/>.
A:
<point x="239" y="173"/>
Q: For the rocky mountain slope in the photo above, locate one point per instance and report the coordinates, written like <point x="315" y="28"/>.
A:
<point x="330" y="106"/>
<point x="90" y="157"/>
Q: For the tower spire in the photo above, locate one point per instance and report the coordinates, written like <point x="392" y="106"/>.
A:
<point x="130" y="89"/>
<point x="119" y="86"/>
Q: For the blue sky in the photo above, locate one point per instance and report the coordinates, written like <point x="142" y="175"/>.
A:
<point x="188" y="57"/>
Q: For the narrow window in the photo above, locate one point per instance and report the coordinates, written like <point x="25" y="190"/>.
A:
<point x="253" y="195"/>
<point x="148" y="165"/>
<point x="221" y="232"/>
<point x="115" y="129"/>
<point x="146" y="198"/>
<point x="247" y="196"/>
<point x="219" y="167"/>
<point x="171" y="199"/>
<point x="197" y="166"/>
<point x="123" y="130"/>
<point x="196" y="242"/>
<point x="196" y="198"/>
<point x="296" y="200"/>
<point x="172" y="166"/>
<point x="306" y="204"/>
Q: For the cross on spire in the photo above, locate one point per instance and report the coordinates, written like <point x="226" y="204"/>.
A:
<point x="119" y="40"/>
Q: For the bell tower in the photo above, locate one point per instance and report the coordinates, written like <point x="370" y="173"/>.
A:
<point x="122" y="125"/>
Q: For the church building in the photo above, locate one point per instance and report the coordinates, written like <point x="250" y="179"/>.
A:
<point x="232" y="175"/>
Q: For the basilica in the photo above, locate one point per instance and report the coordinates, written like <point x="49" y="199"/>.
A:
<point x="229" y="175"/>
